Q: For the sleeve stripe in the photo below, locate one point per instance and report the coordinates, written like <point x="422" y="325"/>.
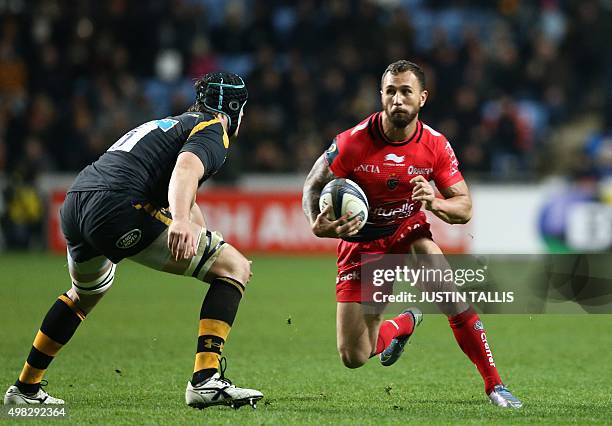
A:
<point x="203" y="125"/>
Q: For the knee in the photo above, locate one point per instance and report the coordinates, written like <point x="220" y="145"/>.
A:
<point x="85" y="302"/>
<point x="352" y="358"/>
<point x="239" y="268"/>
<point x="88" y="289"/>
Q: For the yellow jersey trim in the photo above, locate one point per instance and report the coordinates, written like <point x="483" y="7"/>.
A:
<point x="205" y="124"/>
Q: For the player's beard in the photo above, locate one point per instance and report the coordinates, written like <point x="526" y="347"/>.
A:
<point x="401" y="120"/>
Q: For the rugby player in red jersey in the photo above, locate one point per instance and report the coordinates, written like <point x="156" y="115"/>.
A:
<point x="392" y="155"/>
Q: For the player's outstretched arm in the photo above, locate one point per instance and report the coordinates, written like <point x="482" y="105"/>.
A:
<point x="181" y="195"/>
<point x="456" y="207"/>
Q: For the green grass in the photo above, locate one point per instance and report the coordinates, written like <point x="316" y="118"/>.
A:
<point x="130" y="360"/>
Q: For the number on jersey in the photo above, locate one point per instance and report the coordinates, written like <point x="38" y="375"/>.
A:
<point x="131" y="138"/>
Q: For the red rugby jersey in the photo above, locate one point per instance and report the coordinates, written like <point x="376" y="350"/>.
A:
<point x="384" y="168"/>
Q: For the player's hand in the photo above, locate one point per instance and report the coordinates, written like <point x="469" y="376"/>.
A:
<point x="342" y="227"/>
<point x="181" y="240"/>
<point x="422" y="191"/>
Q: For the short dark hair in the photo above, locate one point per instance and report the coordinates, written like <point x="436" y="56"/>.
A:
<point x="403" y="65"/>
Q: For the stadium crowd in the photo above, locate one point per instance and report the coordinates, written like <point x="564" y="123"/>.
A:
<point x="505" y="79"/>
<point x="74" y="76"/>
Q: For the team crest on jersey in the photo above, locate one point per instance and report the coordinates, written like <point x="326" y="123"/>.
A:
<point x="392" y="181"/>
<point x="478" y="326"/>
<point x="129" y="239"/>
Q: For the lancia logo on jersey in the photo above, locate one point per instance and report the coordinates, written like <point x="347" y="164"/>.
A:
<point x="367" y="168"/>
<point x="395" y="158"/>
<point x="392" y="182"/>
<point x="478" y="326"/>
<point x="129" y="239"/>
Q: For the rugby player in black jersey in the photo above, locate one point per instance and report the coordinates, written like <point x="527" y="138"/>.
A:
<point x="137" y="201"/>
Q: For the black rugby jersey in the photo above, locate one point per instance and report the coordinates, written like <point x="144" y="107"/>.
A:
<point x="143" y="159"/>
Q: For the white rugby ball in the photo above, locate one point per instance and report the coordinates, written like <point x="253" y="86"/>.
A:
<point x="344" y="196"/>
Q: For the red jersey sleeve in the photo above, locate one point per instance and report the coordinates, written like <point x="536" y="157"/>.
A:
<point x="446" y="168"/>
<point x="341" y="155"/>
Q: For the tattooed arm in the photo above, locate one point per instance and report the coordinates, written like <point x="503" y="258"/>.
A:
<point x="321" y="226"/>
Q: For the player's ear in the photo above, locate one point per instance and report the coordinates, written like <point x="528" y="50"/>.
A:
<point x="424" y="94"/>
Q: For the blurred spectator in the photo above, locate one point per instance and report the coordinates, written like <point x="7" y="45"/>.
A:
<point x="501" y="75"/>
<point x="22" y="221"/>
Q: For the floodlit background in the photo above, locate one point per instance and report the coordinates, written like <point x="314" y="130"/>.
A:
<point x="523" y="90"/>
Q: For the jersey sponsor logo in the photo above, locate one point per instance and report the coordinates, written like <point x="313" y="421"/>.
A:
<point x="166" y="124"/>
<point x="478" y="325"/>
<point x="367" y="168"/>
<point x="129" y="239"/>
<point x="392" y="213"/>
<point x="454" y="163"/>
<point x="415" y="170"/>
<point x="397" y="159"/>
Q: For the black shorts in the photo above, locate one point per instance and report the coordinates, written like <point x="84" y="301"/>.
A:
<point x="114" y="224"/>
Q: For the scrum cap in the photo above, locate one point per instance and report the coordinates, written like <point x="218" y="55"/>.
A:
<point x="225" y="93"/>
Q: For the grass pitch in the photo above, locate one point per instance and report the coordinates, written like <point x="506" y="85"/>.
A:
<point x="130" y="360"/>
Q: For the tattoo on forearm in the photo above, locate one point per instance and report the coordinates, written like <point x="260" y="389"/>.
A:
<point x="318" y="177"/>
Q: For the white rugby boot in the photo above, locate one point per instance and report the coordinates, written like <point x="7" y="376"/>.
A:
<point x="218" y="390"/>
<point x="14" y="396"/>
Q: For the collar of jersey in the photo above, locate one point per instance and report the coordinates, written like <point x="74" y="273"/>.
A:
<point x="381" y="134"/>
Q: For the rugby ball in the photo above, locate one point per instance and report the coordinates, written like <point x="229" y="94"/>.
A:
<point x="344" y="196"/>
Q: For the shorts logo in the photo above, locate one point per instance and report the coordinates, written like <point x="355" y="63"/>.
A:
<point x="129" y="239"/>
<point x="478" y="325"/>
<point x="355" y="275"/>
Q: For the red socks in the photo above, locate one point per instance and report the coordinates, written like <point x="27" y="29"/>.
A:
<point x="470" y="335"/>
<point x="401" y="325"/>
